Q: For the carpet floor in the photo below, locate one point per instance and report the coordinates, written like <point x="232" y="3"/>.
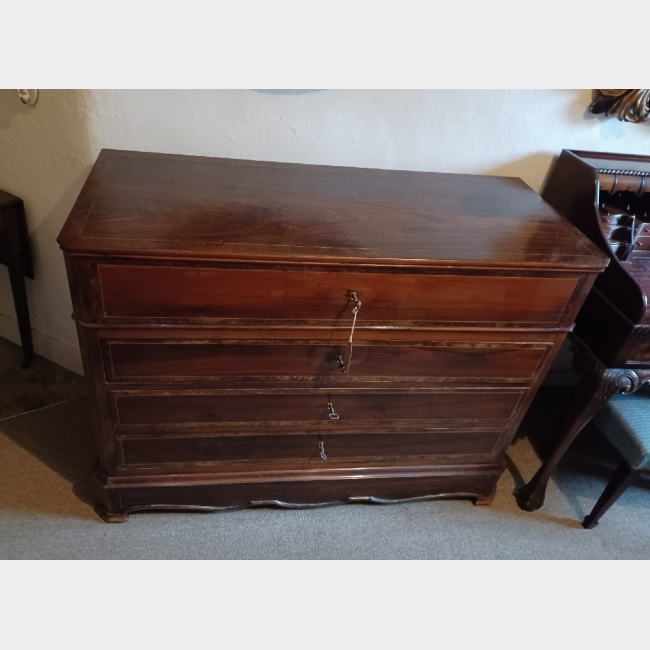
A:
<point x="46" y="457"/>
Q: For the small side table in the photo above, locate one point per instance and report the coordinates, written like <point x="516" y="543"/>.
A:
<point x="16" y="254"/>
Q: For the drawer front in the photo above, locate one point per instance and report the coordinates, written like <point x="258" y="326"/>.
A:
<point x="139" y="451"/>
<point x="310" y="410"/>
<point x="192" y="360"/>
<point x="200" y="294"/>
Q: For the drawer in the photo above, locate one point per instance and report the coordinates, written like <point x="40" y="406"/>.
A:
<point x="228" y="360"/>
<point x="151" y="450"/>
<point x="309" y="410"/>
<point x="178" y="293"/>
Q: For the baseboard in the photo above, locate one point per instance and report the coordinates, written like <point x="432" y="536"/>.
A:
<point x="57" y="351"/>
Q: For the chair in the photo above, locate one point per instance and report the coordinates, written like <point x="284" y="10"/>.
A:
<point x="625" y="422"/>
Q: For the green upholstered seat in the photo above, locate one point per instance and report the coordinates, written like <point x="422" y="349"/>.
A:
<point x="625" y="422"/>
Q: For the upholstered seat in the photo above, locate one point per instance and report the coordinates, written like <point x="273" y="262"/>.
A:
<point x="625" y="422"/>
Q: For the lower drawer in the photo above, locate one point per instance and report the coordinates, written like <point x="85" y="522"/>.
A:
<point x="316" y="448"/>
<point x="315" y="409"/>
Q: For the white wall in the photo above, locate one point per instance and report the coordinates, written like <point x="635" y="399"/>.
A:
<point x="46" y="152"/>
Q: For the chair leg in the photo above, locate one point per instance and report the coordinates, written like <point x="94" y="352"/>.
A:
<point x="621" y="480"/>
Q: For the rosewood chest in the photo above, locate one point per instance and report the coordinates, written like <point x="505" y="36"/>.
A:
<point x="266" y="333"/>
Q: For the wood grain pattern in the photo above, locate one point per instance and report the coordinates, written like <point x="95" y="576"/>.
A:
<point x="303" y="407"/>
<point x="212" y="300"/>
<point x="274" y="360"/>
<point x="452" y="448"/>
<point x="190" y="206"/>
<point x="432" y="482"/>
<point x="191" y="293"/>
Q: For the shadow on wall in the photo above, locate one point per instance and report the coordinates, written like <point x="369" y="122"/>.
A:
<point x="530" y="169"/>
<point x="45" y="157"/>
<point x="11" y="106"/>
<point x="45" y="151"/>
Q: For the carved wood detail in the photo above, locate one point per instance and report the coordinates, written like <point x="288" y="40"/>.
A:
<point x="122" y="517"/>
<point x="626" y="105"/>
<point x="597" y="385"/>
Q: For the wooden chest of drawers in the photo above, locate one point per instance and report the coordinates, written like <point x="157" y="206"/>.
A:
<point x="266" y="333"/>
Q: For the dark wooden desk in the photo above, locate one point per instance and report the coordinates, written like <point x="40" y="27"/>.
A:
<point x="16" y="254"/>
<point x="607" y="196"/>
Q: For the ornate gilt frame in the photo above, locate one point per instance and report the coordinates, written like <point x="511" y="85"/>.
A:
<point x="626" y="105"/>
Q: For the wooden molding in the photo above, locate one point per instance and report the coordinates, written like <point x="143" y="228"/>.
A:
<point x="626" y="105"/>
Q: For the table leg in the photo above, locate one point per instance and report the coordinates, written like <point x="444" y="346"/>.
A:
<point x="17" y="279"/>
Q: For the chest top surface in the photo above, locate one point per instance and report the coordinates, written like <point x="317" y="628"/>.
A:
<point x="161" y="205"/>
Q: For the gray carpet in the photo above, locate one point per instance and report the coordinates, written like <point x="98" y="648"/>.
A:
<point x="46" y="457"/>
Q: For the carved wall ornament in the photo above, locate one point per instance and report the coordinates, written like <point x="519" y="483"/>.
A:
<point x="626" y="105"/>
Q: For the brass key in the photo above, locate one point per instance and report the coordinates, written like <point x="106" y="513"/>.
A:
<point x="347" y="357"/>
